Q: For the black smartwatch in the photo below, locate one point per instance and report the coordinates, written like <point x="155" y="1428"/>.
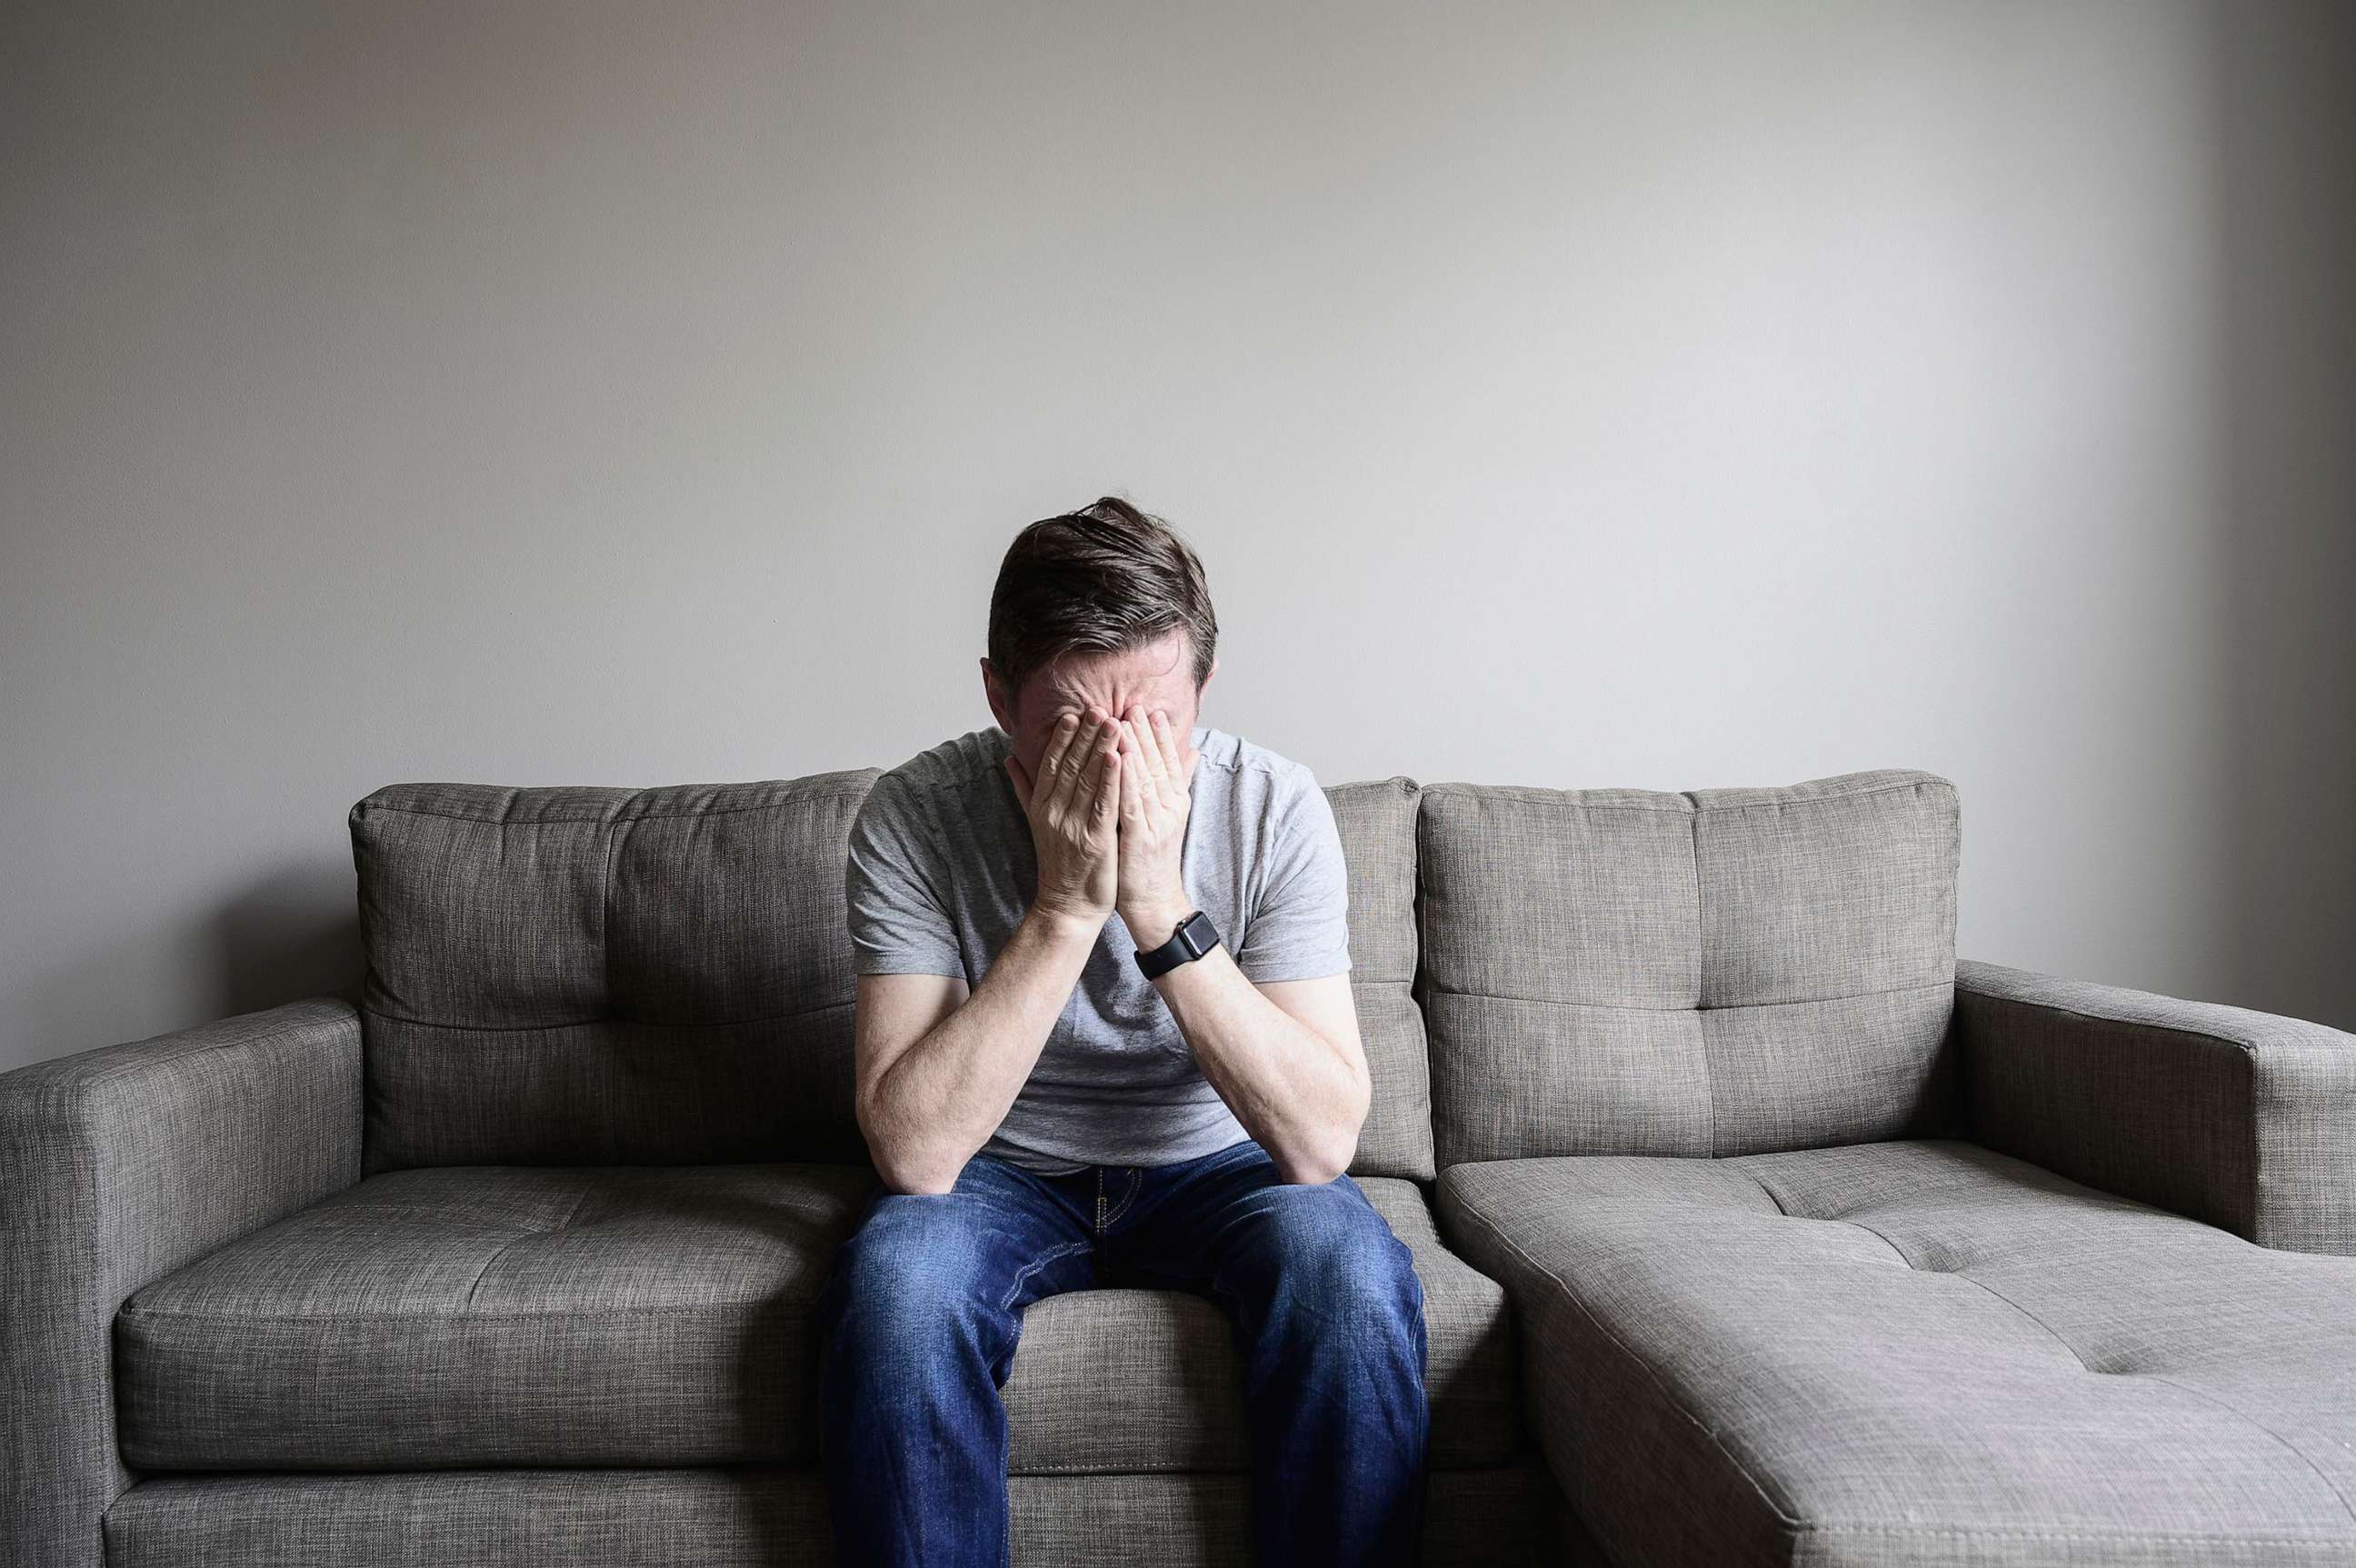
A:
<point x="1196" y="936"/>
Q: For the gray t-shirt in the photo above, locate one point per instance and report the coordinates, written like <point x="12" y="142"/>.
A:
<point x="943" y="868"/>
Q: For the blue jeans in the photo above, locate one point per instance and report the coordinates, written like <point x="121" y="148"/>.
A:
<point x="919" y="1317"/>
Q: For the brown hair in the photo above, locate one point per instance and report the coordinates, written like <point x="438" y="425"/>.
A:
<point x="1100" y="579"/>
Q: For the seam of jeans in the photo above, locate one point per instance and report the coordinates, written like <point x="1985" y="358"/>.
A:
<point x="1035" y="1265"/>
<point x="1136" y="1184"/>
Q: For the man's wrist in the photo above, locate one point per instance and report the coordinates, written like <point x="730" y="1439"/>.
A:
<point x="1150" y="925"/>
<point x="1065" y="925"/>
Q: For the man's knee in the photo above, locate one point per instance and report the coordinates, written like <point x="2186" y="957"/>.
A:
<point x="1330" y="1248"/>
<point x="912" y="1274"/>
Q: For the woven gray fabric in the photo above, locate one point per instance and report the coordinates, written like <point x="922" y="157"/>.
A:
<point x="455" y="1316"/>
<point x="1719" y="971"/>
<point x="1377" y="824"/>
<point x="576" y="975"/>
<point x="1916" y="1353"/>
<point x="568" y="974"/>
<point x="2240" y="1118"/>
<point x="450" y="1316"/>
<point x="749" y="1517"/>
<point x="121" y="1164"/>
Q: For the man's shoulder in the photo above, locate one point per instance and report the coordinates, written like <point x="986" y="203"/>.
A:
<point x="1267" y="770"/>
<point x="960" y="762"/>
<point x="937" y="793"/>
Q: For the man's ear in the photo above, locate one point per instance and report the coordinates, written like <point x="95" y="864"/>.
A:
<point x="995" y="697"/>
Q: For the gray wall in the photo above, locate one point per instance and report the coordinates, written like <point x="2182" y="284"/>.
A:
<point x="1608" y="394"/>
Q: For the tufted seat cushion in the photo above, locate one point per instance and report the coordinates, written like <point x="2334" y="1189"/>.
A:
<point x="1916" y="1352"/>
<point x="463" y="1316"/>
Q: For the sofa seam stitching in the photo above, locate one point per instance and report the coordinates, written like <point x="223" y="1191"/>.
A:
<point x="1939" y="985"/>
<point x="1693" y="806"/>
<point x="2025" y="1532"/>
<point x="612" y="1018"/>
<point x="2330" y="1485"/>
<point x="1701" y="974"/>
<point x="507" y="822"/>
<point x="135" y="1066"/>
<point x="445" y="1315"/>
<point x="1815" y="800"/>
<point x="2246" y="1047"/>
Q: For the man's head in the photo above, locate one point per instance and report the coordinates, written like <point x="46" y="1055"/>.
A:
<point x="1102" y="606"/>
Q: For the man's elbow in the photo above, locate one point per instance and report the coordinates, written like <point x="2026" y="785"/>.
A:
<point x="1334" y="1153"/>
<point x="917" y="1175"/>
<point x="927" y="1185"/>
<point x="904" y="1167"/>
<point x="1327" y="1159"/>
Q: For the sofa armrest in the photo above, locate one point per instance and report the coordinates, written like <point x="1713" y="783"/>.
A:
<point x="2242" y="1119"/>
<point x="118" y="1165"/>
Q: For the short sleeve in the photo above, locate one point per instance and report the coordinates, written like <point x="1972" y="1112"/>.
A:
<point x="899" y="923"/>
<point x="1300" y="928"/>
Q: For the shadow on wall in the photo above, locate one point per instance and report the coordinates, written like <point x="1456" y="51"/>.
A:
<point x="292" y="934"/>
<point x="2286" y="411"/>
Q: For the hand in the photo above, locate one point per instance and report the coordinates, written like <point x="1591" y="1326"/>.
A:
<point x="1157" y="776"/>
<point x="1073" y="808"/>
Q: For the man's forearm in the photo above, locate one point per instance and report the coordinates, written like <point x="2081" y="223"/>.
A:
<point x="1289" y="1086"/>
<point x="944" y="1096"/>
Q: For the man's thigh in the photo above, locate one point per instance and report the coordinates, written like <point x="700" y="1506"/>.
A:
<point x="1228" y="1225"/>
<point x="998" y="1239"/>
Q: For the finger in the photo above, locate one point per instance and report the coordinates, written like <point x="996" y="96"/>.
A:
<point x="1078" y="776"/>
<point x="1108" y="772"/>
<point x="1153" y="764"/>
<point x="1165" y="741"/>
<point x="1157" y="782"/>
<point x="1135" y="758"/>
<point x="1132" y="782"/>
<point x="1058" y="752"/>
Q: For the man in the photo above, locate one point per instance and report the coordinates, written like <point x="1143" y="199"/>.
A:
<point x="1047" y="1116"/>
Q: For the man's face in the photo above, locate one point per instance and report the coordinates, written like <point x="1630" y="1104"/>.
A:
<point x="1159" y="674"/>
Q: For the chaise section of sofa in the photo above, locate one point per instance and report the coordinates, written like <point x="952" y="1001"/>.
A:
<point x="1776" y="1308"/>
<point x="1917" y="1353"/>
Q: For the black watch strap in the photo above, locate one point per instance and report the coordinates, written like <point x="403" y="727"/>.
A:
<point x="1194" y="936"/>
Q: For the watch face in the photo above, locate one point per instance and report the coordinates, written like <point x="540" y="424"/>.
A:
<point x="1198" y="933"/>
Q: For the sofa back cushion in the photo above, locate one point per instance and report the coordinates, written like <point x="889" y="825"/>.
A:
<point x="1718" y="972"/>
<point x="1377" y="824"/>
<point x="584" y="975"/>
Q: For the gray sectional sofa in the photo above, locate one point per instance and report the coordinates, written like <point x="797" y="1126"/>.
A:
<point x="1754" y="1227"/>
